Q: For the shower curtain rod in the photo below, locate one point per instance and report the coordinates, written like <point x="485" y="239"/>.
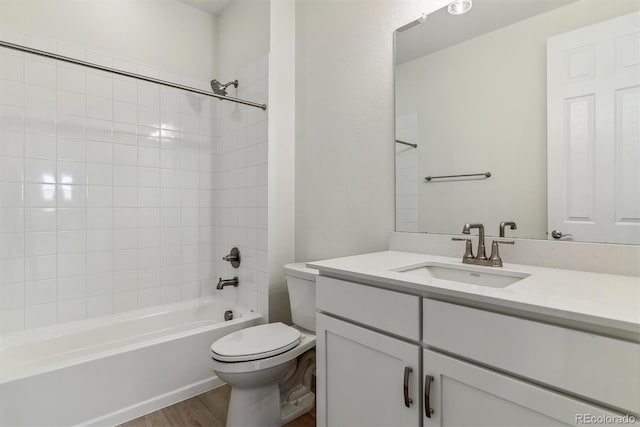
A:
<point x="126" y="74"/>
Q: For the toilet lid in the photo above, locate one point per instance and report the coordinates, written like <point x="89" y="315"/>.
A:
<point x="257" y="342"/>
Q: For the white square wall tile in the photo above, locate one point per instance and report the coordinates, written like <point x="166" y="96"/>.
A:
<point x="37" y="170"/>
<point x="40" y="122"/>
<point x="40" y="72"/>
<point x="12" y="295"/>
<point x="148" y="297"/>
<point x="149" y="237"/>
<point x="71" y="103"/>
<point x="126" y="155"/>
<point x="125" y="301"/>
<point x="125" y="89"/>
<point x="11" y="195"/>
<point x="40" y="243"/>
<point x="125" y="197"/>
<point x="72" y="310"/>
<point x="125" y="281"/>
<point x="39" y="219"/>
<point x="126" y="259"/>
<point x="11" y="93"/>
<point x="72" y="265"/>
<point x="11" y="144"/>
<point x="40" y="315"/>
<point x="12" y="320"/>
<point x="71" y="126"/>
<point x="71" y="241"/>
<point x="125" y="217"/>
<point x="99" y="108"/>
<point x="71" y="219"/>
<point x="99" y="84"/>
<point x="13" y="270"/>
<point x="71" y="196"/>
<point x="149" y="157"/>
<point x="125" y="238"/>
<point x="40" y="98"/>
<point x="99" y="174"/>
<point x="72" y="172"/>
<point x="40" y="267"/>
<point x="98" y="218"/>
<point x="71" y="149"/>
<point x="12" y="169"/>
<point x="99" y="262"/>
<point x="99" y="240"/>
<point x="71" y="78"/>
<point x="72" y="287"/>
<point x="99" y="305"/>
<point x="100" y="284"/>
<point x="11" y="66"/>
<point x="125" y="176"/>
<point x="12" y="245"/>
<point x="40" y="292"/>
<point x="99" y="130"/>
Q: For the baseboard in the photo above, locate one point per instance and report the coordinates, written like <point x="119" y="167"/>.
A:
<point x="162" y="401"/>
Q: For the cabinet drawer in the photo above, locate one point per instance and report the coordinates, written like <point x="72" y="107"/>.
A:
<point x="597" y="367"/>
<point x="386" y="310"/>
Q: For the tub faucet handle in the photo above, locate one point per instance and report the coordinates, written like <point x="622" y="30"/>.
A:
<point x="233" y="257"/>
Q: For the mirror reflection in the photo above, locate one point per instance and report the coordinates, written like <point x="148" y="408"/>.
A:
<point x="521" y="111"/>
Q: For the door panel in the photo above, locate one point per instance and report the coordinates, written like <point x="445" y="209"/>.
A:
<point x="361" y="377"/>
<point x="463" y="394"/>
<point x="593" y="119"/>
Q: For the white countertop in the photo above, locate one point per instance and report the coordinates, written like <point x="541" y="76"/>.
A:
<point x="605" y="300"/>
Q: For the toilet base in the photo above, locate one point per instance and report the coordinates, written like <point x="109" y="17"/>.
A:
<point x="258" y="406"/>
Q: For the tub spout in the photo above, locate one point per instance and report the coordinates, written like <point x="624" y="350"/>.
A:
<point x="227" y="282"/>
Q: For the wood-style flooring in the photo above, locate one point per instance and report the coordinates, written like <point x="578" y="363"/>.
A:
<point x="206" y="410"/>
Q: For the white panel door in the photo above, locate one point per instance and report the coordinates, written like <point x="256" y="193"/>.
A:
<point x="361" y="377"/>
<point x="463" y="394"/>
<point x="593" y="119"/>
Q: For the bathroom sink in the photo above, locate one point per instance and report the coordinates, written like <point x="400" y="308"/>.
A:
<point x="472" y="275"/>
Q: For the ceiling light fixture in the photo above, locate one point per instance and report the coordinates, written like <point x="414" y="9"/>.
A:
<point x="458" y="7"/>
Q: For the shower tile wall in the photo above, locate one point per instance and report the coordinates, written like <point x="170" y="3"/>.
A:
<point x="108" y="187"/>
<point x="241" y="184"/>
<point x="407" y="174"/>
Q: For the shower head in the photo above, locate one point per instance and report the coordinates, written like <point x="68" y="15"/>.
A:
<point x="221" y="89"/>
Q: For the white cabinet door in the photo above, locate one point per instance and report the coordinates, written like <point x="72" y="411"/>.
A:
<point x="463" y="394"/>
<point x="362" y="375"/>
<point x="593" y="119"/>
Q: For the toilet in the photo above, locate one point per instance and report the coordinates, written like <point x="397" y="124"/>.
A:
<point x="270" y="367"/>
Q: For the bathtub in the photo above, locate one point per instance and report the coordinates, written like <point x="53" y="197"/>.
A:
<point x="112" y="369"/>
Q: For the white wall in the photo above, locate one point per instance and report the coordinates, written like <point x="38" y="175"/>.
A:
<point x="281" y="153"/>
<point x="496" y="85"/>
<point x="344" y="123"/>
<point x="165" y="34"/>
<point x="243" y="36"/>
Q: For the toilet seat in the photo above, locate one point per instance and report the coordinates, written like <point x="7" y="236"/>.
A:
<point x="255" y="343"/>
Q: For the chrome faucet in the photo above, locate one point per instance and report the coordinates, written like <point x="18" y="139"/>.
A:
<point x="227" y="282"/>
<point x="494" y="259"/>
<point x="512" y="225"/>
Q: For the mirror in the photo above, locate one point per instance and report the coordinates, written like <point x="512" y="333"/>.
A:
<point x="540" y="100"/>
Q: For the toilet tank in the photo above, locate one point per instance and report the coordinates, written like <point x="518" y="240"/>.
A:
<point x="301" y="282"/>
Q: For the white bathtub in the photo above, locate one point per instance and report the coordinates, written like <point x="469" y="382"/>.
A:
<point x="109" y="370"/>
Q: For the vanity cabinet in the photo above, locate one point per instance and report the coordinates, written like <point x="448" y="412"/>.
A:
<point x="362" y="377"/>
<point x="388" y="358"/>
<point x="464" y="394"/>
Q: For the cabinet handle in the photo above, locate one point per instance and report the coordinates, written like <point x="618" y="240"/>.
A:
<point x="427" y="394"/>
<point x="407" y="400"/>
